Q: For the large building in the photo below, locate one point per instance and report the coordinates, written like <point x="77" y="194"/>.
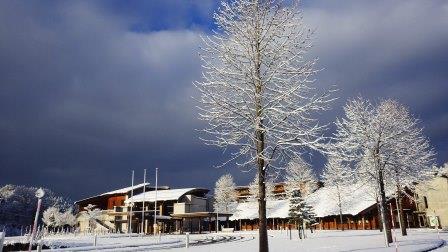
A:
<point x="173" y="210"/>
<point x="359" y="209"/>
<point x="190" y="209"/>
<point x="113" y="214"/>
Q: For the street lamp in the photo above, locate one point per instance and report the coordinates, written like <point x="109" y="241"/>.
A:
<point x="39" y="195"/>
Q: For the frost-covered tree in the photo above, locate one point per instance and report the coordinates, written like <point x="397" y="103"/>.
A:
<point x="67" y="218"/>
<point x="257" y="92"/>
<point x="337" y="177"/>
<point x="54" y="217"/>
<point x="411" y="166"/>
<point x="254" y="189"/>
<point x="381" y="136"/>
<point x="299" y="175"/>
<point x="225" y="194"/>
<point x="51" y="217"/>
<point x="443" y="171"/>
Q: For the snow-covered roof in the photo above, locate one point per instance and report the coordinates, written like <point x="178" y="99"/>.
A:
<point x="164" y="195"/>
<point x="323" y="202"/>
<point x="356" y="199"/>
<point x="126" y="189"/>
<point x="249" y="210"/>
<point x="119" y="191"/>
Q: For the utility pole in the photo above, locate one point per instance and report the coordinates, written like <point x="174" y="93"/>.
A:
<point x="131" y="204"/>
<point x="143" y="201"/>
<point x="155" y="206"/>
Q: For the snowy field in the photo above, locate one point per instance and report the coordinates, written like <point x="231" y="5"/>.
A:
<point x="354" y="240"/>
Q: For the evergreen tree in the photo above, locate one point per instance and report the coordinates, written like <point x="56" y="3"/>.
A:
<point x="300" y="212"/>
<point x="296" y="205"/>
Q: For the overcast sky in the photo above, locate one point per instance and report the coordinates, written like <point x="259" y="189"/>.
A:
<point x="90" y="90"/>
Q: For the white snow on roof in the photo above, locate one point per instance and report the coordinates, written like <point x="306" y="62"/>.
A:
<point x="118" y="191"/>
<point x="126" y="189"/>
<point x="249" y="210"/>
<point x="323" y="202"/>
<point x="162" y="195"/>
<point x="354" y="201"/>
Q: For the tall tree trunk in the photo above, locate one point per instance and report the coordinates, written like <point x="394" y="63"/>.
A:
<point x="259" y="134"/>
<point x="260" y="142"/>
<point x="262" y="225"/>
<point x="400" y="212"/>
<point x="378" y="213"/>
<point x="384" y="215"/>
<point x="340" y="209"/>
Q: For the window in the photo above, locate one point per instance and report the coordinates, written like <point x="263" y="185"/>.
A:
<point x="426" y="201"/>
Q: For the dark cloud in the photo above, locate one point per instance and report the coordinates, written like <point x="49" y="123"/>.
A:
<point x="91" y="90"/>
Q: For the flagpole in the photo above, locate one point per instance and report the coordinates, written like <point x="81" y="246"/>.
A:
<point x="155" y="206"/>
<point x="143" y="201"/>
<point x="131" y="204"/>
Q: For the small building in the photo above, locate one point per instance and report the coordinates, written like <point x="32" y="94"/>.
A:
<point x="432" y="201"/>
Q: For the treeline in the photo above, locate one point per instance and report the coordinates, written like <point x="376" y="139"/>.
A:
<point x="18" y="206"/>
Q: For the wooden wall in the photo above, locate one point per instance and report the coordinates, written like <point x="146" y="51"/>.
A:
<point x="115" y="201"/>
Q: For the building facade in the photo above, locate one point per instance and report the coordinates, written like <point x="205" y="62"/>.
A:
<point x="132" y="210"/>
<point x="432" y="201"/>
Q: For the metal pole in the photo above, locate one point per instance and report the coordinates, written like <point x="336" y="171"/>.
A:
<point x="143" y="201"/>
<point x="36" y="217"/>
<point x="39" y="194"/>
<point x="131" y="204"/>
<point x="155" y="205"/>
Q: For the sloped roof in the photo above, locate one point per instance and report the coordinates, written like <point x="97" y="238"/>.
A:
<point x="355" y="199"/>
<point x="249" y="210"/>
<point x="322" y="200"/>
<point x="164" y="195"/>
<point x="119" y="191"/>
<point x="126" y="189"/>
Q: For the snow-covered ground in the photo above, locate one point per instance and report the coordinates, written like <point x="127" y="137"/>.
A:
<point x="417" y="240"/>
<point x="353" y="240"/>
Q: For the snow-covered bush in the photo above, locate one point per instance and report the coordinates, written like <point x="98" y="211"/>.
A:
<point x="50" y="217"/>
<point x="53" y="217"/>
